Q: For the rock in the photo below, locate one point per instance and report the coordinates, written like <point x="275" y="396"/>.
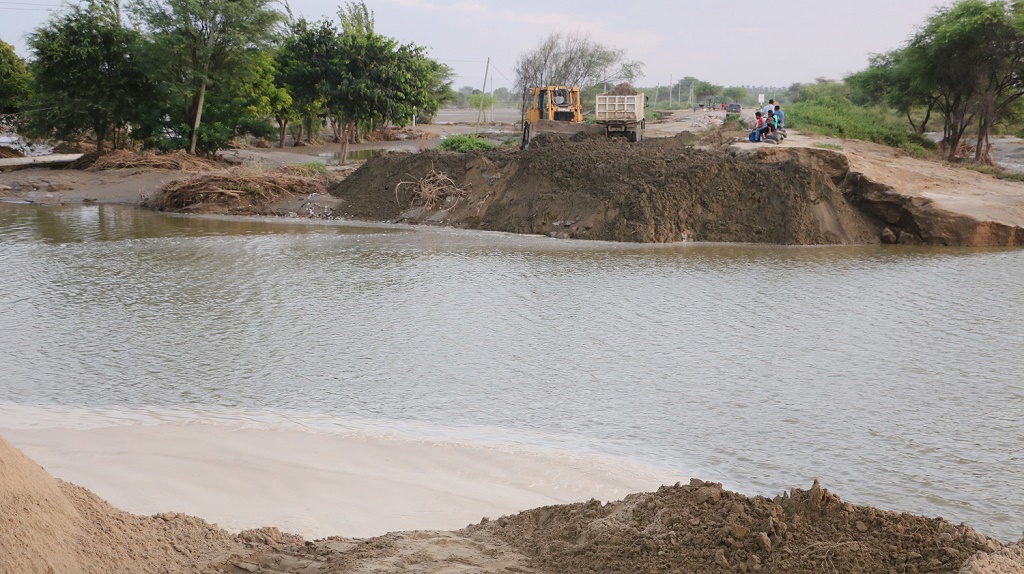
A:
<point x="720" y="558"/>
<point x="908" y="239"/>
<point x="861" y="527"/>
<point x="764" y="542"/>
<point x="889" y="236"/>
<point x="708" y="493"/>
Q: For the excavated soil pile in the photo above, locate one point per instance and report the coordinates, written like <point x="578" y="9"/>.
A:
<point x="659" y="190"/>
<point x="703" y="528"/>
<point x="623" y="89"/>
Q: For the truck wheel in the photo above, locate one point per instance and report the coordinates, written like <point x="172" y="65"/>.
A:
<point x="631" y="137"/>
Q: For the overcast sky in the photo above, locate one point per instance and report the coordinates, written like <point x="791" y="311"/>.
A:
<point x="742" y="42"/>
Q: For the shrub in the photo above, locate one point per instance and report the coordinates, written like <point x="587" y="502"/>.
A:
<point x="463" y="143"/>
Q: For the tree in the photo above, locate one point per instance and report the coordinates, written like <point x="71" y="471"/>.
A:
<point x="197" y="44"/>
<point x="574" y="60"/>
<point x="736" y="94"/>
<point x="14" y="80"/>
<point x="305" y="61"/>
<point x="375" y="78"/>
<point x="969" y="54"/>
<point x="87" y="74"/>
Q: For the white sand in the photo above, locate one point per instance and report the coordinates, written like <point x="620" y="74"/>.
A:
<point x="317" y="484"/>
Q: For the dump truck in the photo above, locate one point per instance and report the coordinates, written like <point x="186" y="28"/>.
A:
<point x="621" y="112"/>
<point x="553" y="110"/>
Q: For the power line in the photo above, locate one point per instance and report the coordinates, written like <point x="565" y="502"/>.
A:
<point x="27" y="9"/>
<point x="33" y="4"/>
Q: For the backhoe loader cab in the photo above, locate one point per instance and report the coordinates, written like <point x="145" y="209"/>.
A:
<point x="553" y="110"/>
<point x="557" y="103"/>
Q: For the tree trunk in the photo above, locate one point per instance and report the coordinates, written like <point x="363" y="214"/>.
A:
<point x="346" y="131"/>
<point x="298" y="136"/>
<point x="282" y="124"/>
<point x="199" y="116"/>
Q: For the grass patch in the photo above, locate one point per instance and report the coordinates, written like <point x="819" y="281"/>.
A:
<point x="308" y="169"/>
<point x="994" y="171"/>
<point x="732" y="117"/>
<point x="839" y="118"/>
<point x="827" y="145"/>
<point x="463" y="143"/>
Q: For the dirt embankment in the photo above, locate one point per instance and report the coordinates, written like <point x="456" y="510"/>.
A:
<point x="660" y="190"/>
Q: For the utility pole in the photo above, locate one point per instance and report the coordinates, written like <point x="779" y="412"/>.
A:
<point x="483" y="92"/>
<point x="670" y="91"/>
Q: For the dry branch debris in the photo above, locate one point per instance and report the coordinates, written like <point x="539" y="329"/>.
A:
<point x="433" y="189"/>
<point x="178" y="160"/>
<point x="240" y="185"/>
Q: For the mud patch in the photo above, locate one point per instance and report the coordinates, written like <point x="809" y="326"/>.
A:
<point x="702" y="528"/>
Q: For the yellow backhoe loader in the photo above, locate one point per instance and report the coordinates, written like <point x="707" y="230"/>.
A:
<point x="554" y="110"/>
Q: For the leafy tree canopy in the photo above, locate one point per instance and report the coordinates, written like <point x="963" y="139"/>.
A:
<point x="200" y="45"/>
<point x="14" y="80"/>
<point x="87" y="74"/>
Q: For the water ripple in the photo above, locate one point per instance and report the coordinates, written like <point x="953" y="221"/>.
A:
<point x="894" y="375"/>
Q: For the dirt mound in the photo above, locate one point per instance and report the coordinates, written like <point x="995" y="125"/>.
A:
<point x="659" y="190"/>
<point x="623" y="89"/>
<point x="9" y="152"/>
<point x="51" y="526"/>
<point x="1009" y="560"/>
<point x="703" y="528"/>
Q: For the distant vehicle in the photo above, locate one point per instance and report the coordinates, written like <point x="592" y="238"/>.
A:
<point x="733" y="109"/>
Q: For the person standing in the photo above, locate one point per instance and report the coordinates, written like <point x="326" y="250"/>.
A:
<point x="769" y="107"/>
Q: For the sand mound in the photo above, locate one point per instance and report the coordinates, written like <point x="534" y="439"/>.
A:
<point x="48" y="525"/>
<point x="703" y="528"/>
<point x="1009" y="560"/>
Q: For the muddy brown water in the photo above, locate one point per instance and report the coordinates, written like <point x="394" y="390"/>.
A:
<point x="894" y="375"/>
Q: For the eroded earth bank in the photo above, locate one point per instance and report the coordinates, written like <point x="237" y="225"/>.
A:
<point x="659" y="190"/>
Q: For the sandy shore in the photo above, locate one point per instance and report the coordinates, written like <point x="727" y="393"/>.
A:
<point x="317" y="484"/>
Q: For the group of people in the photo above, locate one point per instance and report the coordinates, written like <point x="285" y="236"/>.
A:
<point x="770" y="124"/>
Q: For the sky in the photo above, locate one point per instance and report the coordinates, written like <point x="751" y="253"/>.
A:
<point x="738" y="43"/>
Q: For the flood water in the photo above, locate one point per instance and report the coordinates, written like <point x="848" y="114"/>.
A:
<point x="893" y="375"/>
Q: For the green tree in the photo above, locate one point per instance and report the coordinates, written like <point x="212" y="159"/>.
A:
<point x="198" y="45"/>
<point x="14" y="80"/>
<point x="87" y="74"/>
<point x="305" y="61"/>
<point x="376" y="79"/>
<point x="703" y="90"/>
<point x="969" y="55"/>
<point x="736" y="94"/>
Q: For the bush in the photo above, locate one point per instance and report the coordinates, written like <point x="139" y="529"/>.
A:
<point x="464" y="143"/>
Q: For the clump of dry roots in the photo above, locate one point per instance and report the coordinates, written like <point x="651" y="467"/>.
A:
<point x="240" y="186"/>
<point x="123" y="159"/>
<point x="432" y="190"/>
